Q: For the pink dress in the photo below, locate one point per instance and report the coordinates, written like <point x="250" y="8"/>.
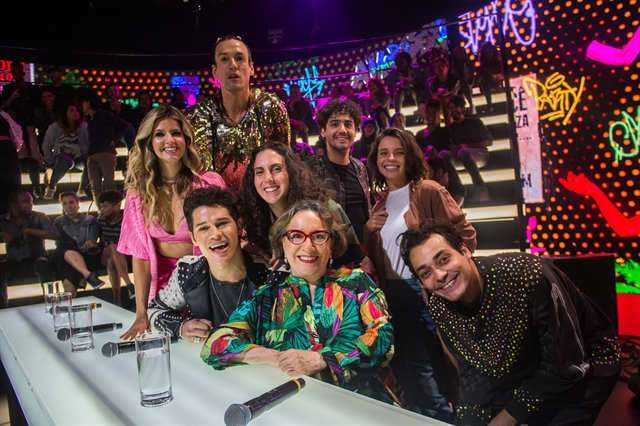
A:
<point x="137" y="239"/>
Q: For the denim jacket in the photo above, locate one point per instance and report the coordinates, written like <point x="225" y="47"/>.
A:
<point x="86" y="228"/>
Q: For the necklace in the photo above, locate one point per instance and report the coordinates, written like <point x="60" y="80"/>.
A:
<point x="167" y="180"/>
<point x="213" y="287"/>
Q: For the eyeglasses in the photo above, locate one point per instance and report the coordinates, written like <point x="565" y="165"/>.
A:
<point x="298" y="237"/>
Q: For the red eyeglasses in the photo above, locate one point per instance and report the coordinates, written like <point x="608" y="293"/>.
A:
<point x="297" y="237"/>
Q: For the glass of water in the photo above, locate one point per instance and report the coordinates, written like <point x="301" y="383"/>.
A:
<point x="81" y="324"/>
<point x="154" y="369"/>
<point x="61" y="307"/>
<point x="49" y="289"/>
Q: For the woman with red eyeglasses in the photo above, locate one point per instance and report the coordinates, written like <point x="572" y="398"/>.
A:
<point x="332" y="326"/>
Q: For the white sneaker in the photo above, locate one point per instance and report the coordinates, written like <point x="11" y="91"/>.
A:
<point x="49" y="193"/>
<point x="80" y="193"/>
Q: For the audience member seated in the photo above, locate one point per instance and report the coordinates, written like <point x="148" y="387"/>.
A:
<point x="177" y="99"/>
<point x="274" y="180"/>
<point x="115" y="106"/>
<point x="398" y="122"/>
<point x="490" y="73"/>
<point x="77" y="251"/>
<point x="110" y="224"/>
<point x="163" y="168"/>
<point x="464" y="68"/>
<point x="531" y="348"/>
<point x="63" y="92"/>
<point x="435" y="140"/>
<point x="469" y="139"/>
<point x="377" y="103"/>
<point x="442" y="86"/>
<point x="204" y="290"/>
<point x="65" y="146"/>
<point x="405" y="80"/>
<point x="22" y="96"/>
<point x="47" y="111"/>
<point x="337" y="327"/>
<point x="145" y="104"/>
<point x="440" y="174"/>
<point x="105" y="129"/>
<point x="348" y="94"/>
<point x="201" y="96"/>
<point x="410" y="198"/>
<point x="300" y="110"/>
<point x="10" y="143"/>
<point x="339" y="172"/>
<point x="23" y="231"/>
<point x="31" y="158"/>
<point x="369" y="131"/>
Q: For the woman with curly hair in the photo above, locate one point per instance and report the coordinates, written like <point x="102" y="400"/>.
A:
<point x="409" y="198"/>
<point x="163" y="168"/>
<point x="274" y="180"/>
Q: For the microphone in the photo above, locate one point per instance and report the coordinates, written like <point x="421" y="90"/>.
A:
<point x="242" y="414"/>
<point x="59" y="309"/>
<point x="111" y="349"/>
<point x="65" y="334"/>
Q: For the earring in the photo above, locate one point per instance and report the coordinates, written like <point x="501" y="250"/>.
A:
<point x="286" y="263"/>
<point x="331" y="262"/>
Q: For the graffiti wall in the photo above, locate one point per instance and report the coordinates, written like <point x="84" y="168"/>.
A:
<point x="586" y="60"/>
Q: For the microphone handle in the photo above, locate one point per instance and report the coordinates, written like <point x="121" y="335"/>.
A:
<point x="126" y="347"/>
<point x="105" y="328"/>
<point x="274" y="397"/>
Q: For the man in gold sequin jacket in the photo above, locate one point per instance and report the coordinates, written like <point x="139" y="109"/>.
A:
<point x="229" y="124"/>
<point x="531" y="348"/>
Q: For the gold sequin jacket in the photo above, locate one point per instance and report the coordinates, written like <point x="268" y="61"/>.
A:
<point x="265" y="121"/>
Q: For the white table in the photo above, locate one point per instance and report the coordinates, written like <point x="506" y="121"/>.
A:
<point x="57" y="387"/>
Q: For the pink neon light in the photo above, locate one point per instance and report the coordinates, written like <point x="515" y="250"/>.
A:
<point x="623" y="226"/>
<point x="533" y="222"/>
<point x="612" y="56"/>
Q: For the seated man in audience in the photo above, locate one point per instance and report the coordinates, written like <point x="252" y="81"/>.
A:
<point x="405" y="80"/>
<point x="24" y="231"/>
<point x="470" y="139"/>
<point x="204" y="290"/>
<point x="442" y="86"/>
<point x="110" y="222"/>
<point x="77" y="252"/>
<point x="440" y="174"/>
<point x="531" y="348"/>
<point x="300" y="109"/>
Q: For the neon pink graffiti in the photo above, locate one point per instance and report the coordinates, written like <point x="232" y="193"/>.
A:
<point x="533" y="222"/>
<point x="612" y="56"/>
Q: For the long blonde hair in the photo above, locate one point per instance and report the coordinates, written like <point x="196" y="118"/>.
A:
<point x="143" y="169"/>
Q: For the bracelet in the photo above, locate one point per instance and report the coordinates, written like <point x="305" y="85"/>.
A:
<point x="180" y="330"/>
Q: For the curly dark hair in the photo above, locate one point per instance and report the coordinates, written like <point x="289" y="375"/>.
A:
<point x="337" y="229"/>
<point x="416" y="167"/>
<point x="255" y="214"/>
<point x="339" y="107"/>
<point x="416" y="236"/>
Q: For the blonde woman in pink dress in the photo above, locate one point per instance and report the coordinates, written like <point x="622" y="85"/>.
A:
<point x="163" y="168"/>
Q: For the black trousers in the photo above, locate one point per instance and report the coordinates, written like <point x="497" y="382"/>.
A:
<point x="42" y="266"/>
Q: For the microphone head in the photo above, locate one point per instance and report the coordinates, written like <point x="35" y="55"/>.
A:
<point x="118" y="326"/>
<point x="237" y="415"/>
<point x="64" y="334"/>
<point x="110" y="349"/>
